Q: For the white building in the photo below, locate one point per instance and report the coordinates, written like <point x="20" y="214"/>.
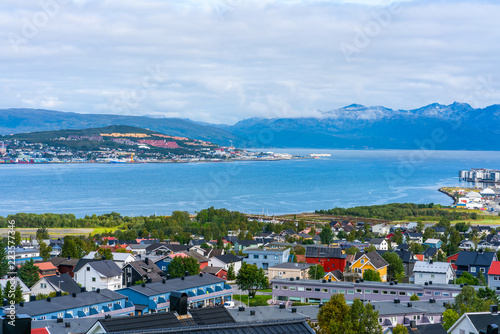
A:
<point x="225" y="261"/>
<point x="436" y="272"/>
<point x="55" y="283"/>
<point x="380" y="243"/>
<point x="120" y="259"/>
<point x="474" y="322"/>
<point x="380" y="229"/>
<point x="104" y="274"/>
<point x="26" y="290"/>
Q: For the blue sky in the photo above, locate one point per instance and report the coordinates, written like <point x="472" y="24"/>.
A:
<point x="225" y="60"/>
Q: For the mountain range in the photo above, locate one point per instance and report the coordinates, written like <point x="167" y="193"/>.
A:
<point x="457" y="126"/>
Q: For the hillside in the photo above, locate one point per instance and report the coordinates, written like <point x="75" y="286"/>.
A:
<point x="454" y="127"/>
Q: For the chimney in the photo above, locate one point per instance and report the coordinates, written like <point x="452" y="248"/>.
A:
<point x="494" y="309"/>
<point x="82" y="289"/>
<point x="282" y="306"/>
<point x="143" y="285"/>
<point x="186" y="273"/>
<point x="48" y="299"/>
<point x="73" y="295"/>
<point x="201" y="274"/>
<point x="396" y="301"/>
<point x="241" y="308"/>
<point x="294" y="310"/>
<point x="413" y="324"/>
<point x="168" y="276"/>
<point x="164" y="281"/>
<point x="69" y="258"/>
<point x="179" y="302"/>
<point x="21" y="304"/>
<point x="182" y="278"/>
<point x="59" y="320"/>
<point x="98" y="290"/>
<point x="252" y="312"/>
<point x="32" y="298"/>
<point x="67" y="324"/>
<point x="491" y="329"/>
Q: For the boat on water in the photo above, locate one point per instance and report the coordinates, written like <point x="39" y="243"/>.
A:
<point x="319" y="155"/>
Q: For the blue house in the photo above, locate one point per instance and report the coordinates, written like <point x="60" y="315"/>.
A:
<point x="433" y="243"/>
<point x="76" y="305"/>
<point x="266" y="257"/>
<point x="475" y="262"/>
<point x="202" y="290"/>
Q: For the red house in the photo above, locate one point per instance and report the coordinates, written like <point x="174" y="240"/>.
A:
<point x="216" y="271"/>
<point x="329" y="258"/>
<point x="452" y="259"/>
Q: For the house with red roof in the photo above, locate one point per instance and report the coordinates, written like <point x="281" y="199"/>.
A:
<point x="46" y="269"/>
<point x="494" y="275"/>
<point x="453" y="259"/>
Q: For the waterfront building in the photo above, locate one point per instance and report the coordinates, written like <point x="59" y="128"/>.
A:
<point x="266" y="257"/>
<point x="83" y="304"/>
<point x="202" y="290"/>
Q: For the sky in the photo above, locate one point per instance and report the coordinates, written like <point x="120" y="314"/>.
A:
<point x="221" y="61"/>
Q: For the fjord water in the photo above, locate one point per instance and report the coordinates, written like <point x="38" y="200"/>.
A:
<point x="347" y="178"/>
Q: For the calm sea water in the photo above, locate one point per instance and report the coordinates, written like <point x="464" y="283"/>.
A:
<point x="346" y="179"/>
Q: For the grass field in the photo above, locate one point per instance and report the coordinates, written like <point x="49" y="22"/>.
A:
<point x="258" y="300"/>
<point x="53" y="232"/>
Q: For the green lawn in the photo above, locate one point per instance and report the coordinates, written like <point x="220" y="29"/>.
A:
<point x="266" y="290"/>
<point x="258" y="300"/>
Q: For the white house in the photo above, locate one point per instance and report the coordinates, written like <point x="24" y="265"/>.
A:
<point x="474" y="322"/>
<point x="120" y="259"/>
<point x="104" y="274"/>
<point x="26" y="290"/>
<point x="380" y="229"/>
<point x="436" y="272"/>
<point x="54" y="283"/>
<point x="380" y="243"/>
<point x="225" y="261"/>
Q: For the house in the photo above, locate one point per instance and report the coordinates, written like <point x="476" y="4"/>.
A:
<point x="266" y="257"/>
<point x="475" y="262"/>
<point x="289" y="269"/>
<point x="46" y="269"/>
<point x="146" y="271"/>
<point x="211" y="252"/>
<point x="103" y="274"/>
<point x="476" y="322"/>
<point x="54" y="283"/>
<point x="26" y="290"/>
<point x="485" y="245"/>
<point x="380" y="229"/>
<point x="64" y="265"/>
<point x="371" y="260"/>
<point x="156" y="249"/>
<point x="328" y="257"/>
<point x="494" y="275"/>
<point x="344" y="245"/>
<point x="466" y="245"/>
<point x="119" y="258"/>
<point x="137" y="249"/>
<point x="21" y="255"/>
<point x="433" y="243"/>
<point x="202" y="290"/>
<point x="379" y="243"/>
<point x="435" y="272"/>
<point x="452" y="259"/>
<point x="480" y="229"/>
<point x="334" y="276"/>
<point x="216" y="271"/>
<point x="83" y="304"/>
<point x="226" y="260"/>
<point x="413" y="237"/>
<point x="440" y="230"/>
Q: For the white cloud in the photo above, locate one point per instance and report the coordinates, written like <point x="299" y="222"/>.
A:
<point x="225" y="60"/>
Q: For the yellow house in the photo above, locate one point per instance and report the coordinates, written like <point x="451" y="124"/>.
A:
<point x="373" y="261"/>
<point x="334" y="276"/>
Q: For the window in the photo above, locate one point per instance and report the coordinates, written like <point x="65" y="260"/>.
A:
<point x="163" y="268"/>
<point x="265" y="257"/>
<point x="86" y="309"/>
<point x="350" y="292"/>
<point x="300" y="288"/>
<point x="420" y="275"/>
<point x="342" y="291"/>
<point x="473" y="269"/>
<point x="154" y="299"/>
<point x="93" y="289"/>
<point x="292" y="288"/>
<point x="384" y="292"/>
<point x="276" y="287"/>
<point x="375" y="292"/>
<point x="432" y="275"/>
<point x="495" y="278"/>
<point x="362" y="261"/>
<point x="437" y="293"/>
<point x="393" y="292"/>
<point x="482" y="270"/>
<point x="402" y="293"/>
<point x="368" y="291"/>
<point x="255" y="256"/>
<point x="317" y="289"/>
<point x="324" y="290"/>
<point x="420" y="294"/>
<point x="43" y="285"/>
<point x="358" y="290"/>
<point x="276" y="257"/>
<point x="43" y="317"/>
<point x="308" y="289"/>
<point x="88" y="268"/>
<point x="93" y="279"/>
<point x="284" y="287"/>
<point x="282" y="298"/>
<point x="446" y="294"/>
<point x="333" y="290"/>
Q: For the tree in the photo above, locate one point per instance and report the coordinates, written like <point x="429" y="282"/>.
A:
<point x="103" y="254"/>
<point x="299" y="250"/>
<point x="414" y="298"/>
<point x="17" y="238"/>
<point x="399" y="329"/>
<point x="230" y="272"/>
<point x="481" y="278"/>
<point x="334" y="317"/>
<point x="397" y="237"/>
<point x="251" y="279"/>
<point x="4" y="263"/>
<point x="11" y="293"/>
<point x="28" y="273"/>
<point x="69" y="248"/>
<point x="370" y="248"/>
<point x="341" y="235"/>
<point x="42" y="234"/>
<point x="469" y="301"/>
<point x="45" y="251"/>
<point x="371" y="275"/>
<point x="326" y="235"/>
<point x="449" y="318"/>
<point x="352" y="250"/>
<point x="467" y="278"/>
<point x="316" y="272"/>
<point x="364" y="318"/>
<point x="179" y="265"/>
<point x="420" y="226"/>
<point x="396" y="269"/>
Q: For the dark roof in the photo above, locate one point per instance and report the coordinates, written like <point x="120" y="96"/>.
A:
<point x="203" y="316"/>
<point x="415" y="235"/>
<point x="197" y="256"/>
<point x="58" y="304"/>
<point x="172" y="247"/>
<point x="294" y="326"/>
<point x="81" y="263"/>
<point x="430" y="252"/>
<point x="107" y="268"/>
<point x="65" y="282"/>
<point x="157" y="288"/>
<point x="228" y="258"/>
<point x="338" y="274"/>
<point x="211" y="270"/>
<point x="143" y="269"/>
<point x="427" y="329"/>
<point x="481" y="321"/>
<point x="63" y="261"/>
<point x="376" y="240"/>
<point x="439" y="229"/>
<point x="247" y="243"/>
<point x="325" y="252"/>
<point x="213" y="252"/>
<point x="375" y="258"/>
<point x="467" y="258"/>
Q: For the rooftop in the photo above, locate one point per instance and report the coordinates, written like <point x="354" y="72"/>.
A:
<point x="291" y="265"/>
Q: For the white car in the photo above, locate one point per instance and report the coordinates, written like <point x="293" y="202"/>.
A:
<point x="229" y="304"/>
